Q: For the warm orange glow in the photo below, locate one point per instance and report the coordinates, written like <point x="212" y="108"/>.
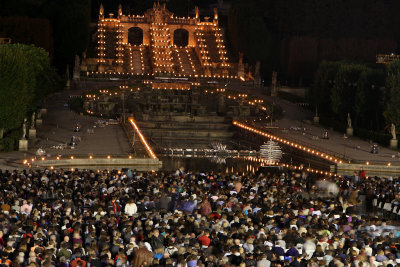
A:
<point x="306" y="149"/>
<point x="144" y="142"/>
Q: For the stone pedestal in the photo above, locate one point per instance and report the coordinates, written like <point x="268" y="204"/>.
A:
<point x="43" y="111"/>
<point x="394" y="143"/>
<point x="23" y="145"/>
<point x="32" y="133"/>
<point x="274" y="91"/>
<point x="316" y="120"/>
<point x="39" y="122"/>
<point x="349" y="131"/>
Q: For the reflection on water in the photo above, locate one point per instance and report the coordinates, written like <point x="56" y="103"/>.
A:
<point x="228" y="165"/>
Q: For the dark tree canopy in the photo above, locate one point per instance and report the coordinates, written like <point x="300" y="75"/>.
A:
<point x="25" y="78"/>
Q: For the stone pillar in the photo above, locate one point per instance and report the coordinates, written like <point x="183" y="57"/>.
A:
<point x="67" y="75"/>
<point x="77" y="68"/>
<point x="23" y="145"/>
<point x="394" y="143"/>
<point x="349" y="131"/>
<point x="171" y="36"/>
<point x="274" y="84"/>
<point x="221" y="105"/>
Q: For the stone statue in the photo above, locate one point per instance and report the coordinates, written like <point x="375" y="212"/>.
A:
<point x="77" y="61"/>
<point x="257" y="69"/>
<point x="101" y="11"/>
<point x="274" y="79"/>
<point x="33" y="120"/>
<point x="240" y="58"/>
<point x="77" y="68"/>
<point x="196" y="9"/>
<point x="67" y="75"/>
<point x="241" y="66"/>
<point x="216" y="14"/>
<point x="348" y="120"/>
<point x="119" y="10"/>
<point x="393" y="131"/>
<point x="24" y="129"/>
<point x="257" y="76"/>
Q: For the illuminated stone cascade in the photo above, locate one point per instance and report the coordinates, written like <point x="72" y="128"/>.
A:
<point x="159" y="43"/>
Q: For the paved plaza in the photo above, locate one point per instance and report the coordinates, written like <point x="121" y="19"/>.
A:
<point x="296" y="125"/>
<point x="97" y="137"/>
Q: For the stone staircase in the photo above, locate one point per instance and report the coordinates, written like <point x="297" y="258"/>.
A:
<point x="186" y="132"/>
<point x="110" y="43"/>
<point x="185" y="61"/>
<point x="212" y="48"/>
<point x="136" y="60"/>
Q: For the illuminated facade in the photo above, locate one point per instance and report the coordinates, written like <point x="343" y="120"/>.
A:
<point x="159" y="44"/>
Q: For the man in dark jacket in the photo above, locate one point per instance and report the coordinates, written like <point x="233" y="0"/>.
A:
<point x="296" y="261"/>
<point x="157" y="240"/>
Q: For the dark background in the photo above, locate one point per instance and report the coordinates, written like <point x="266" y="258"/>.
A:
<point x="289" y="36"/>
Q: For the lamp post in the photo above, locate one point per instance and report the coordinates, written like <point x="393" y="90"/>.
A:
<point x="123" y="106"/>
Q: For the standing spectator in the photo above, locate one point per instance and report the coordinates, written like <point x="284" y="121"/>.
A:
<point x="205" y="207"/>
<point x="130" y="208"/>
<point x="361" y="173"/>
<point x="157" y="240"/>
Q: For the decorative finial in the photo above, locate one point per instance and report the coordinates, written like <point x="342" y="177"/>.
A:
<point x="101" y="12"/>
<point x="119" y="10"/>
<point x="216" y="14"/>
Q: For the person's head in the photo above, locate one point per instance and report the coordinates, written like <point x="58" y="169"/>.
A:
<point x="156" y="232"/>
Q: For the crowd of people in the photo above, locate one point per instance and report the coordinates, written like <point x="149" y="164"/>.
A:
<point x="112" y="218"/>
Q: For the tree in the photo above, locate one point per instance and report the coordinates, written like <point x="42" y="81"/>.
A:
<point x="392" y="111"/>
<point x="320" y="92"/>
<point x="343" y="95"/>
<point x="25" y="77"/>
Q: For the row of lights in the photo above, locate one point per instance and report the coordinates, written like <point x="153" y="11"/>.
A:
<point x="252" y="103"/>
<point x="26" y="161"/>
<point x="278" y="139"/>
<point x="144" y="142"/>
<point x="164" y="67"/>
<point x="255" y="159"/>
